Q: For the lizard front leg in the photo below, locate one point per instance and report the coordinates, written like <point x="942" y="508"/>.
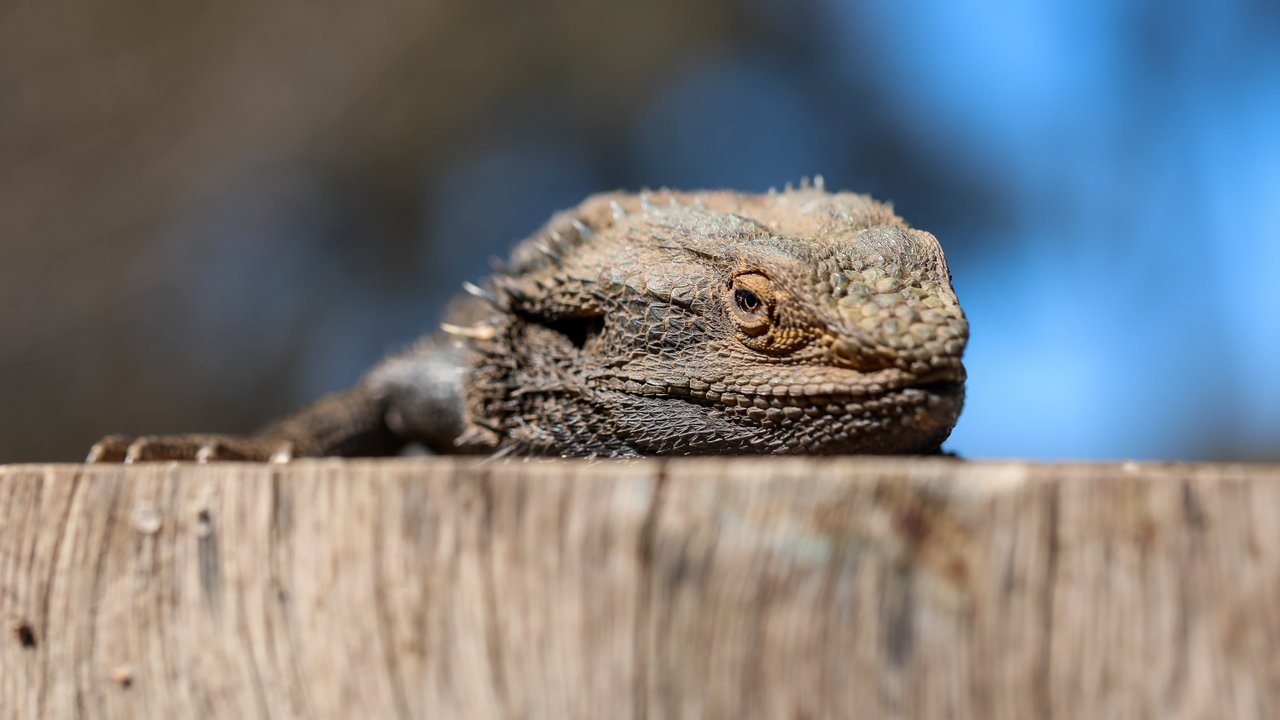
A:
<point x="413" y="397"/>
<point x="350" y="423"/>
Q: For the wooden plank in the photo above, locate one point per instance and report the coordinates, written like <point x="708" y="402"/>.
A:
<point x="696" y="588"/>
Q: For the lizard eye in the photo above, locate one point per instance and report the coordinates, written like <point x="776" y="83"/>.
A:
<point x="748" y="302"/>
<point x="749" y="297"/>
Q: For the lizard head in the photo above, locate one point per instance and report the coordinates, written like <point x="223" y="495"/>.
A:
<point x="797" y="322"/>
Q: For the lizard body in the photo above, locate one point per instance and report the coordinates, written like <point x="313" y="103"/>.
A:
<point x="658" y="324"/>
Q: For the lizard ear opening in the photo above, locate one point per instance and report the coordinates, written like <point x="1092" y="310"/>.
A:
<point x="577" y="330"/>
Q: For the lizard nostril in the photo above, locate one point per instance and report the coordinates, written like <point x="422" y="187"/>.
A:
<point x="850" y="349"/>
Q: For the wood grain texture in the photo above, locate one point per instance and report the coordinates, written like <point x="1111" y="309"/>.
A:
<point x="698" y="588"/>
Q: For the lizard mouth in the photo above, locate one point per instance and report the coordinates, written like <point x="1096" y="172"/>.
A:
<point x="945" y="388"/>
<point x="857" y="389"/>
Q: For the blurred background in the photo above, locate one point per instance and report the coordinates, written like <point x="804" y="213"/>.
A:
<point x="211" y="214"/>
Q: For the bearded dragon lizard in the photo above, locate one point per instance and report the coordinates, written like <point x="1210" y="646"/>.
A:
<point x="663" y="323"/>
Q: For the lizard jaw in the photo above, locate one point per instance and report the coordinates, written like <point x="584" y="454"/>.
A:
<point x="849" y="386"/>
<point x="896" y="414"/>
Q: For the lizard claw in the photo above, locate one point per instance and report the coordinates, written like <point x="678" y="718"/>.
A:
<point x="282" y="455"/>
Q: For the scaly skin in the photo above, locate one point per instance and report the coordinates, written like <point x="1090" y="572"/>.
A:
<point x="667" y="323"/>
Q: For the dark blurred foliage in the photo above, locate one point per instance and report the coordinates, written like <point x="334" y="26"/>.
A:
<point x="212" y="214"/>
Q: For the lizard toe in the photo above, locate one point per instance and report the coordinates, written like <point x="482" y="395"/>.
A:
<point x="110" y="449"/>
<point x="154" y="448"/>
<point x="244" y="450"/>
